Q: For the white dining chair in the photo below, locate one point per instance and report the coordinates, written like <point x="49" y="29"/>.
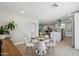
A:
<point x="29" y="45"/>
<point x="51" y="47"/>
<point x="52" y="42"/>
<point x="46" y="36"/>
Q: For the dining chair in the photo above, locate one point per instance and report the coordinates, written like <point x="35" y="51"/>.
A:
<point x="49" y="45"/>
<point x="46" y="36"/>
<point x="52" y="43"/>
<point x="29" y="46"/>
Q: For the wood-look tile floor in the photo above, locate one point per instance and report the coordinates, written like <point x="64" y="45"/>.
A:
<point x="9" y="49"/>
<point x="62" y="48"/>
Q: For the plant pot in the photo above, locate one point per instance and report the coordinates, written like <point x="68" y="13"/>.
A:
<point x="3" y="36"/>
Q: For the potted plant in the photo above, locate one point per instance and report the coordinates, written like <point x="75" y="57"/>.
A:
<point x="5" y="29"/>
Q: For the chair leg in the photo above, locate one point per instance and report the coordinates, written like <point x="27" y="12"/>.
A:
<point x="54" y="50"/>
<point x="47" y="50"/>
<point x="29" y="51"/>
<point x="34" y="51"/>
<point x="26" y="51"/>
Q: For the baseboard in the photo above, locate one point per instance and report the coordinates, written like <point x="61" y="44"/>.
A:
<point x="19" y="43"/>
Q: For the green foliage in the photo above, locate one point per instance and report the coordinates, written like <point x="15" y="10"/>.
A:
<point x="4" y="29"/>
<point x="11" y="25"/>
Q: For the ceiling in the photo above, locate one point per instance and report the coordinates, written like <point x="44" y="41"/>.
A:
<point x="42" y="11"/>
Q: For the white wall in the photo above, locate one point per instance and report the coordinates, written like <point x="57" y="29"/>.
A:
<point x="22" y="22"/>
<point x="76" y="19"/>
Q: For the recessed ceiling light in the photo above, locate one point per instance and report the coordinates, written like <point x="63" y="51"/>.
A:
<point x="22" y="12"/>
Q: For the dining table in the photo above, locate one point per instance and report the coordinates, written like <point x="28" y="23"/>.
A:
<point x="40" y="44"/>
